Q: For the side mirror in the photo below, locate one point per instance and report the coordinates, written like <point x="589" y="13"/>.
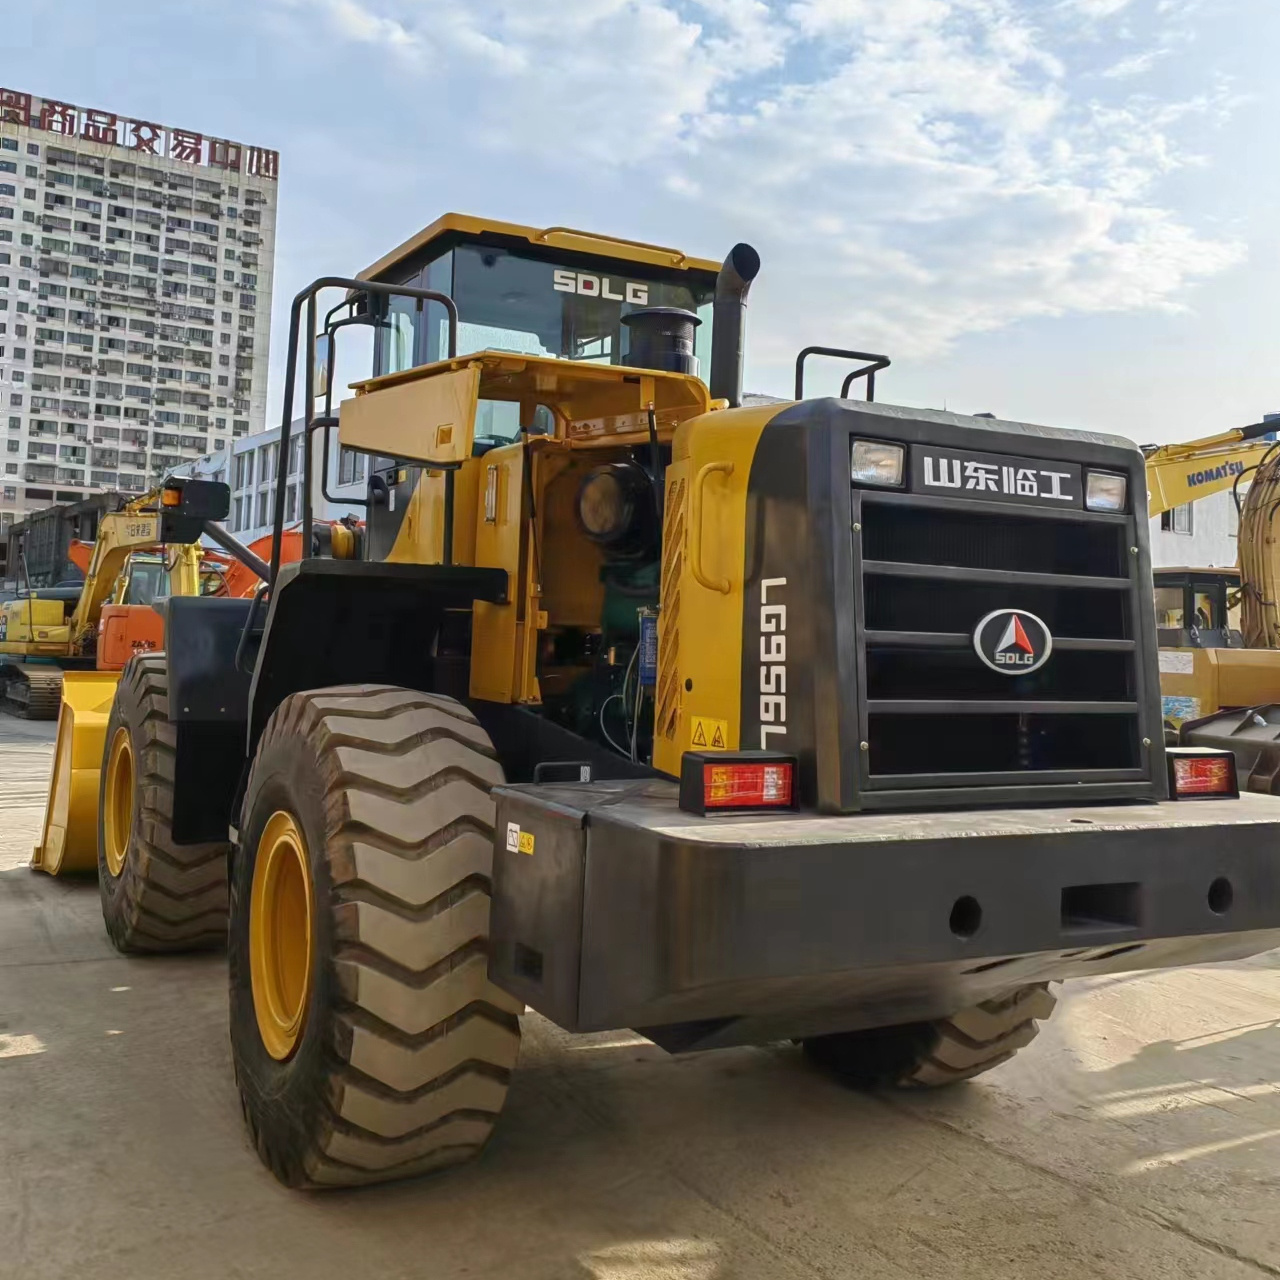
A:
<point x="321" y="358"/>
<point x="186" y="504"/>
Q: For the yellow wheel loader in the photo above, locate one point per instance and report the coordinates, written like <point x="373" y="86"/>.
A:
<point x="820" y="721"/>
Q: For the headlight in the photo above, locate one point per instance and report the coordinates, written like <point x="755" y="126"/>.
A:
<point x="615" y="508"/>
<point x="605" y="509"/>
<point x="1105" y="491"/>
<point x="877" y="462"/>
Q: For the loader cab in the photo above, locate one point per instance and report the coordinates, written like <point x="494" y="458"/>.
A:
<point x="552" y="292"/>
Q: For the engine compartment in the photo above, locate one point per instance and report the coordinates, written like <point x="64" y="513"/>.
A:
<point x="599" y="515"/>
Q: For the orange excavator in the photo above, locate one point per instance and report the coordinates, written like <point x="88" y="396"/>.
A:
<point x="130" y="624"/>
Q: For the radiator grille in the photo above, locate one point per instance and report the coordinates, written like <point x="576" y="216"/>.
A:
<point x="667" y="714"/>
<point x="935" y="714"/>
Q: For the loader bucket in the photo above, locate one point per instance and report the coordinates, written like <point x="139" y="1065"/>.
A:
<point x="70" y="838"/>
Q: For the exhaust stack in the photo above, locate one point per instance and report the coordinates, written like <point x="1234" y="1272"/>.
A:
<point x="729" y="313"/>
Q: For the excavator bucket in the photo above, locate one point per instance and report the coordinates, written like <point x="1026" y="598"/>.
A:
<point x="70" y="838"/>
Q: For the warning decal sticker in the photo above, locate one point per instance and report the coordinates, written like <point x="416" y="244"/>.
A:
<point x="710" y="735"/>
<point x="518" y="841"/>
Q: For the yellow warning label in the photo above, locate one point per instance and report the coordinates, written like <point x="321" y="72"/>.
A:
<point x="710" y="735"/>
<point x="526" y="842"/>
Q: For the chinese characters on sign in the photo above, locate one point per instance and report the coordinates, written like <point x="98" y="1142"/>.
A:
<point x="136" y="135"/>
<point x="987" y="477"/>
<point x="993" y="477"/>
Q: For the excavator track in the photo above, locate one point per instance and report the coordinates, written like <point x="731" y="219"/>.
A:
<point x="31" y="692"/>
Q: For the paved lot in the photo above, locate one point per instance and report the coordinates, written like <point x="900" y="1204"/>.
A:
<point x="1140" y="1137"/>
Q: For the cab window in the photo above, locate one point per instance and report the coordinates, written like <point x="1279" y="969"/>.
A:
<point x="1169" y="608"/>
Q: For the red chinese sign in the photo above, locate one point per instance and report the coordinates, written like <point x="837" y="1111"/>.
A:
<point x="136" y="135"/>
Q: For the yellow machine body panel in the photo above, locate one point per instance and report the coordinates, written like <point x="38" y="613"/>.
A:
<point x="1199" y="682"/>
<point x="34" y="627"/>
<point x="430" y="420"/>
<point x="699" y="694"/>
<point x="69" y="840"/>
<point x="499" y="535"/>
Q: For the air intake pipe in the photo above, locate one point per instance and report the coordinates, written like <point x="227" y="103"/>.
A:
<point x="729" y="318"/>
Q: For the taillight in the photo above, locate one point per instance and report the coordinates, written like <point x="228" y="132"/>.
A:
<point x="1197" y="773"/>
<point x="737" y="781"/>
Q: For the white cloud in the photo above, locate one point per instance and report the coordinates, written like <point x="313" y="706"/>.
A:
<point x="912" y="170"/>
<point x="1096" y="8"/>
<point x="358" y="23"/>
<point x="1137" y="64"/>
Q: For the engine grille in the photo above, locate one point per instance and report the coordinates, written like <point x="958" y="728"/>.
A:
<point x="933" y="715"/>
<point x="667" y="709"/>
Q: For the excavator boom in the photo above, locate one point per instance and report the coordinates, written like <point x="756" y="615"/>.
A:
<point x="1178" y="474"/>
<point x="1182" y="473"/>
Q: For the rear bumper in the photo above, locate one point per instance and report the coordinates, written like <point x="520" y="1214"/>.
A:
<point x="709" y="931"/>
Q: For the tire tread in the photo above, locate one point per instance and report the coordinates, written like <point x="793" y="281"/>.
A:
<point x="168" y="897"/>
<point x="420" y="1044"/>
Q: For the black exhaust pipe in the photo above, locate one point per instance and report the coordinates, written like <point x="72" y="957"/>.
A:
<point x="729" y="317"/>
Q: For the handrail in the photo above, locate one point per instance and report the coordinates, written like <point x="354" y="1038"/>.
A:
<point x="722" y="585"/>
<point x="307" y="297"/>
<point x="867" y="371"/>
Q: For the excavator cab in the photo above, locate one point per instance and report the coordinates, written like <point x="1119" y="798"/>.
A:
<point x="1194" y="608"/>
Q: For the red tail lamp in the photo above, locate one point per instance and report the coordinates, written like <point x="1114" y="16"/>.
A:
<point x="737" y="782"/>
<point x="1201" y="773"/>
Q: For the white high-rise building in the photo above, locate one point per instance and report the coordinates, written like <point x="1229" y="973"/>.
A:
<point x="135" y="299"/>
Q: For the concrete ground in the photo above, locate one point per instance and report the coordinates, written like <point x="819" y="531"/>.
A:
<point x="1138" y="1137"/>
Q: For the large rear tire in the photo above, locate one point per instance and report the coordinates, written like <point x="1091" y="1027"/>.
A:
<point x="933" y="1054"/>
<point x="156" y="895"/>
<point x="368" y="1041"/>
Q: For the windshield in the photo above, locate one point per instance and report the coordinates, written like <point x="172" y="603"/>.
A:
<point x="148" y="582"/>
<point x="509" y="302"/>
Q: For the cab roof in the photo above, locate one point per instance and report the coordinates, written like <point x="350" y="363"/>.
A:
<point x="455" y="226"/>
<point x="1212" y="571"/>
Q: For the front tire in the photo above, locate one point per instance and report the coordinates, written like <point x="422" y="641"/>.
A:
<point x="156" y="895"/>
<point x="389" y="1054"/>
<point x="933" y="1054"/>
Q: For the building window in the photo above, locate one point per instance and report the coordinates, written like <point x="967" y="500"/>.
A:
<point x="291" y="503"/>
<point x="1177" y="519"/>
<point x="1233" y="513"/>
<point x="351" y="466"/>
<point x="263" y="498"/>
<point x="267" y="458"/>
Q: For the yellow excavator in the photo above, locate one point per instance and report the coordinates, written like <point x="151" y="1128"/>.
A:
<point x="1206" y="664"/>
<point x="40" y="636"/>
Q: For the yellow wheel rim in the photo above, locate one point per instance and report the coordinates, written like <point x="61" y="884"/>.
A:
<point x="280" y="935"/>
<point x="117" y="811"/>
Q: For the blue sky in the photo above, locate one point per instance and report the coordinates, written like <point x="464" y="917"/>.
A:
<point x="1058" y="210"/>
